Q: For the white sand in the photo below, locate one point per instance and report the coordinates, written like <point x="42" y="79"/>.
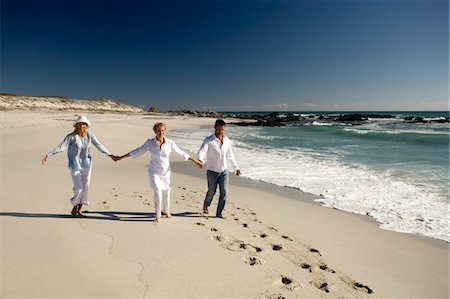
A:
<point x="117" y="251"/>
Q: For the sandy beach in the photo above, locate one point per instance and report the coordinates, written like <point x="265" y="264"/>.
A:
<point x="274" y="243"/>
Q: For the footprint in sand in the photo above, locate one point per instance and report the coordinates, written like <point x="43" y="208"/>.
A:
<point x="287" y="238"/>
<point x="359" y="286"/>
<point x="219" y="238"/>
<point x="235" y="245"/>
<point x="252" y="261"/>
<point x="313" y="250"/>
<point x="277" y="247"/>
<point x="324" y="287"/>
<point x="325" y="268"/>
<point x="105" y="204"/>
<point x="273" y="228"/>
<point x="306" y="266"/>
<point x="320" y="284"/>
<point x="288" y="283"/>
<point x="253" y="249"/>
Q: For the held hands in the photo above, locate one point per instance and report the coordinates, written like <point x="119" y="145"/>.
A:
<point x="197" y="162"/>
<point x="118" y="158"/>
<point x="115" y="158"/>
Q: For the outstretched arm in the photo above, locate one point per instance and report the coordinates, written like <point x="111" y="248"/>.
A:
<point x="59" y="148"/>
<point x="99" y="146"/>
<point x="134" y="153"/>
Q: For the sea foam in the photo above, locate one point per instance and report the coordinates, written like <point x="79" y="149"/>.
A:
<point x="393" y="199"/>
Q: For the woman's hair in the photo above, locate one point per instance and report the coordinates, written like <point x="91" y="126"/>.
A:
<point x="76" y="127"/>
<point x="157" y="125"/>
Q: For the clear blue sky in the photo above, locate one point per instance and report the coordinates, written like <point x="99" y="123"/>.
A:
<point x="231" y="55"/>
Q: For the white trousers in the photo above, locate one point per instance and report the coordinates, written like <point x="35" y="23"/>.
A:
<point x="161" y="196"/>
<point x="81" y="180"/>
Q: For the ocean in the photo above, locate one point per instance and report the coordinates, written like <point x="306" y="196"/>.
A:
<point x="391" y="169"/>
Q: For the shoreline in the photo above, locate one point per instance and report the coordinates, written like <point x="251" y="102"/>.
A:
<point x="320" y="226"/>
<point x="275" y="241"/>
<point x="308" y="198"/>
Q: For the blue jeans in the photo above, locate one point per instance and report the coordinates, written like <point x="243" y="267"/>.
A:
<point x="214" y="179"/>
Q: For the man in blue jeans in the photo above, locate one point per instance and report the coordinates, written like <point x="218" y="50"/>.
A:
<point x="216" y="152"/>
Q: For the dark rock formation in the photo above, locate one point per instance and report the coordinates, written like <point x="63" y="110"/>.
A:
<point x="186" y="112"/>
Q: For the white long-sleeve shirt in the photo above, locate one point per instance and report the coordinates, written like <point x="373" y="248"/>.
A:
<point x="77" y="147"/>
<point x="216" y="154"/>
<point x="160" y="163"/>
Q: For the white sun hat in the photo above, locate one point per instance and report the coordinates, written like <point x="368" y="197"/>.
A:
<point x="82" y="119"/>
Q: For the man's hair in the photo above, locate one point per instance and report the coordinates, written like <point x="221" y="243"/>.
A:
<point x="219" y="122"/>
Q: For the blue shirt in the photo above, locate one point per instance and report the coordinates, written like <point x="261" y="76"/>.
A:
<point x="78" y="150"/>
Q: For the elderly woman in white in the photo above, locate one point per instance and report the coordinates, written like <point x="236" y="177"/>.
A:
<point x="159" y="169"/>
<point x="78" y="144"/>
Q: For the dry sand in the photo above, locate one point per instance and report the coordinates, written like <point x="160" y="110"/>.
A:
<point x="274" y="243"/>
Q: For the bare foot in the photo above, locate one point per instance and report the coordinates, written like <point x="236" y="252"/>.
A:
<point x="74" y="211"/>
<point x="79" y="210"/>
<point x="168" y="215"/>
<point x="156" y="221"/>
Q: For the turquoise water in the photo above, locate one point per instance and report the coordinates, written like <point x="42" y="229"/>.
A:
<point x="415" y="154"/>
<point x="394" y="171"/>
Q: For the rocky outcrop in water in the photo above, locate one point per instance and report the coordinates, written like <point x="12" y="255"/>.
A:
<point x="418" y="119"/>
<point x="273" y="119"/>
<point x="276" y="119"/>
<point x="193" y="113"/>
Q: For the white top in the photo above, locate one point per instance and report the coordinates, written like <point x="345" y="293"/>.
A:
<point x="216" y="154"/>
<point x="159" y="163"/>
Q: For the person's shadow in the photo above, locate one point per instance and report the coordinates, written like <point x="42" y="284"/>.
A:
<point x="101" y="215"/>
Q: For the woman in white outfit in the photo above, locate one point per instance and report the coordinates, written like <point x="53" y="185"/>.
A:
<point x="78" y="144"/>
<point x="159" y="169"/>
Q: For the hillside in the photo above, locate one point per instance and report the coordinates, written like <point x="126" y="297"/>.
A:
<point x="16" y="102"/>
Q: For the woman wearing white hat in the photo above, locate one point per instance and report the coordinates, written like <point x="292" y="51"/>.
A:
<point x="159" y="170"/>
<point x="78" y="144"/>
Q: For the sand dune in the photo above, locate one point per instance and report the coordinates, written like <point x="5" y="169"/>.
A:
<point x="10" y="102"/>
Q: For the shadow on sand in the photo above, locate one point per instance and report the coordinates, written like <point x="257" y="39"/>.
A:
<point x="101" y="215"/>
